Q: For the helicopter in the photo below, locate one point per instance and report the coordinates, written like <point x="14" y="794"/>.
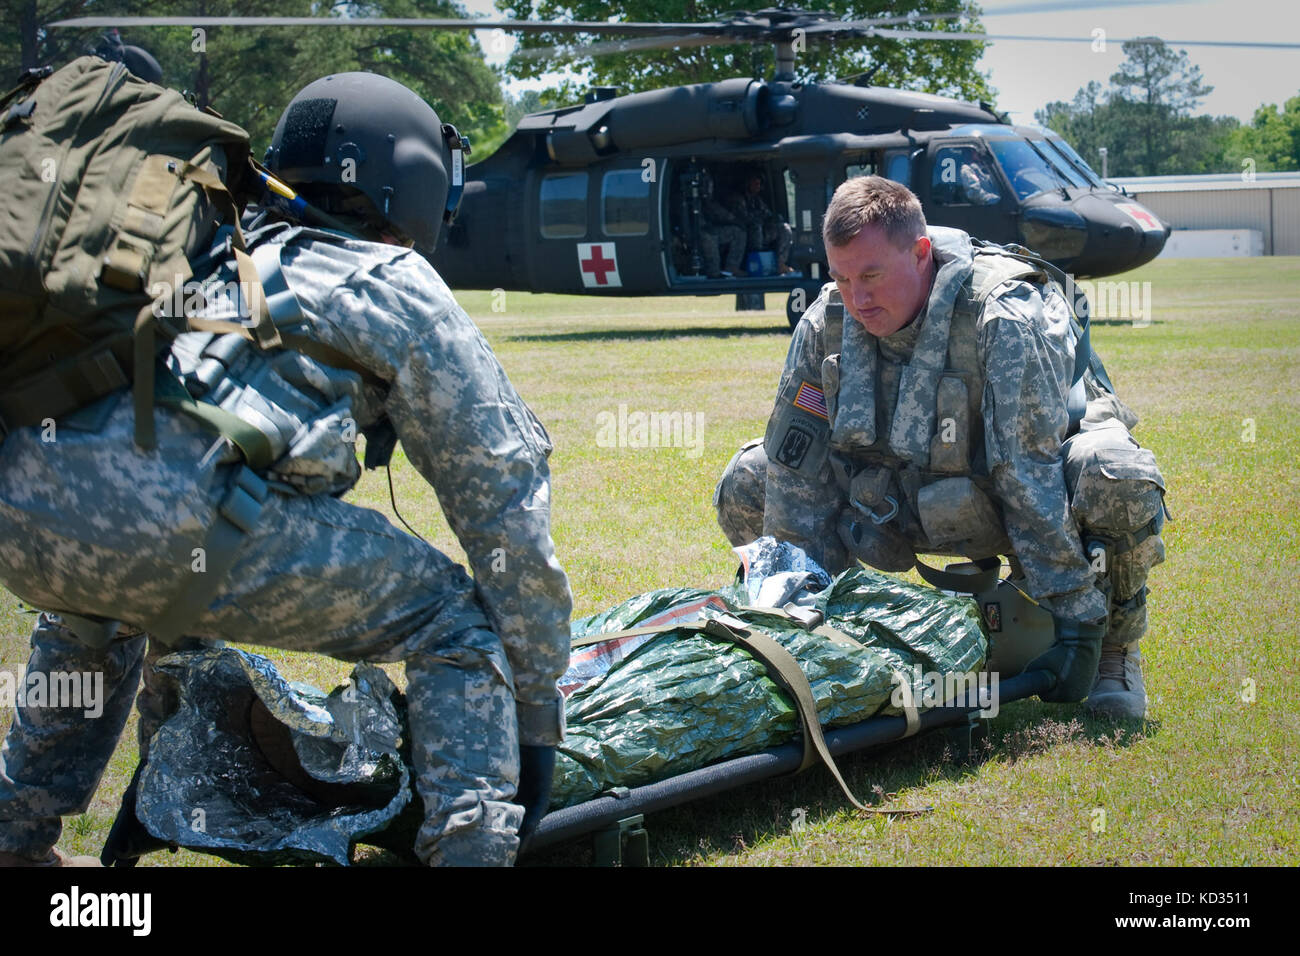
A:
<point x="610" y="197"/>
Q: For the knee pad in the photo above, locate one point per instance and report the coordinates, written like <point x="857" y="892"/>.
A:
<point x="741" y="493"/>
<point x="1117" y="498"/>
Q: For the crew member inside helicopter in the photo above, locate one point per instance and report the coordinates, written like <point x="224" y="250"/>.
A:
<point x="961" y="176"/>
<point x="720" y="229"/>
<point x="764" y="229"/>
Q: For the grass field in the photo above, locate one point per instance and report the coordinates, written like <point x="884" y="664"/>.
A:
<point x="1210" y="778"/>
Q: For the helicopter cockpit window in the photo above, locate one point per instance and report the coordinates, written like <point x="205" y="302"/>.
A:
<point x="1063" y="169"/>
<point x="625" y="203"/>
<point x="1068" y="152"/>
<point x="564" y="206"/>
<point x="962" y="177"/>
<point x="1028" y="172"/>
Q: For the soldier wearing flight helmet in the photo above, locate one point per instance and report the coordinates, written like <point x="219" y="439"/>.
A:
<point x="385" y="350"/>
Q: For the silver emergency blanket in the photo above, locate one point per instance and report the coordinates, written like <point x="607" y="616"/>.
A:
<point x="261" y="771"/>
<point x="639" y="708"/>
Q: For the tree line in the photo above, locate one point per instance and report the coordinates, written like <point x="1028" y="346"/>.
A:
<point x="1145" y="121"/>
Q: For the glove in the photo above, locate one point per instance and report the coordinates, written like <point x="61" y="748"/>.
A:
<point x="536" y="771"/>
<point x="1072" y="660"/>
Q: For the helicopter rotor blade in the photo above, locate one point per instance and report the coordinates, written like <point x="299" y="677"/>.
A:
<point x="743" y="27"/>
<point x="523" y="26"/>
<point x="681" y="41"/>
<point x="893" y="34"/>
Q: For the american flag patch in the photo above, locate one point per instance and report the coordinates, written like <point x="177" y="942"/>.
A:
<point x="811" y="399"/>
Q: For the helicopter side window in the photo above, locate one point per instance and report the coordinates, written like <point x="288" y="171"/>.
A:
<point x="625" y="203"/>
<point x="962" y="177"/>
<point x="564" y="206"/>
<point x="853" y="170"/>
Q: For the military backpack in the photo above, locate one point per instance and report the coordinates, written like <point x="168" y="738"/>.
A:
<point x="108" y="186"/>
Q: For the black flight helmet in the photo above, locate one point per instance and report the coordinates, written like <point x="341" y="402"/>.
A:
<point x="364" y="146"/>
<point x="136" y="59"/>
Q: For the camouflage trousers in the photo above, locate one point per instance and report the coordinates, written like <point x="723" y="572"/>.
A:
<point x="777" y="236"/>
<point x="712" y="238"/>
<point x="1116" y="497"/>
<point x="90" y="522"/>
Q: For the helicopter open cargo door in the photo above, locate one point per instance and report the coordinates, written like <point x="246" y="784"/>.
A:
<point x="962" y="186"/>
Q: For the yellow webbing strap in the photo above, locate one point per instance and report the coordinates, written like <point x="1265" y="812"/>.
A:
<point x="142" y="391"/>
<point x="909" y="704"/>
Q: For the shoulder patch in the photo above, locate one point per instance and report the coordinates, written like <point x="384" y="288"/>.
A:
<point x="812" y="400"/>
<point x="798" y="433"/>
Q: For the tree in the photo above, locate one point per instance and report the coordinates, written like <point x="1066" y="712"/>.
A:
<point x="1270" y="142"/>
<point x="1154" y="88"/>
<point x="249" y="74"/>
<point x="944" y="67"/>
<point x="1143" y="118"/>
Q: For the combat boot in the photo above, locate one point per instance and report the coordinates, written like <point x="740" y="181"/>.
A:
<point x="1118" y="690"/>
<point x="55" y="857"/>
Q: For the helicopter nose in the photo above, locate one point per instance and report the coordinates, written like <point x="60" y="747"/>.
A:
<point x="1122" y="234"/>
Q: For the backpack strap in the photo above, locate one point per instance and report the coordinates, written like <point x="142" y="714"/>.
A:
<point x="1083" y="354"/>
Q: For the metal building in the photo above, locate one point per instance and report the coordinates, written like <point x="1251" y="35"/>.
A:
<point x="1264" y="203"/>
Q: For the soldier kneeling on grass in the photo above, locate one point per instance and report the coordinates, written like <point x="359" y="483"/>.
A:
<point x="931" y="402"/>
<point x="217" y="513"/>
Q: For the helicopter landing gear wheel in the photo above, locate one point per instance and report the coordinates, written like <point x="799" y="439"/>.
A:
<point x="800" y="298"/>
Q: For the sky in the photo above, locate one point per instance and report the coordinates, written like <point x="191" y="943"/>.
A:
<point x="1028" y="75"/>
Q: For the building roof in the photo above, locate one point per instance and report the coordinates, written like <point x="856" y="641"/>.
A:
<point x="1210" y="181"/>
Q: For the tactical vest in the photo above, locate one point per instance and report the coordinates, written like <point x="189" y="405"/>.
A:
<point x="918" y="471"/>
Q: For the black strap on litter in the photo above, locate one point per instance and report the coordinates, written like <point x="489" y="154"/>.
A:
<point x="982" y="580"/>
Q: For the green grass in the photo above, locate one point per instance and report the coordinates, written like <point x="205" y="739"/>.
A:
<point x="1209" y="779"/>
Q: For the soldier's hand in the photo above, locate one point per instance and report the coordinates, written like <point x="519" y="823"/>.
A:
<point x="1072" y="660"/>
<point x="536" y="771"/>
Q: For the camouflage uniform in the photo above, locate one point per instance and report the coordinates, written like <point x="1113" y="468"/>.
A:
<point x="764" y="229"/>
<point x="718" y="228"/>
<point x="949" y="437"/>
<point x="712" y="239"/>
<point x="90" y="523"/>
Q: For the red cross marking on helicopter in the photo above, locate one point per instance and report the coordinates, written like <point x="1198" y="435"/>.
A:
<point x="1143" y="217"/>
<point x="599" y="265"/>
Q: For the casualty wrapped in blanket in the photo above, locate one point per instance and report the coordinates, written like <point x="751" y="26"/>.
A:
<point x="303" y="776"/>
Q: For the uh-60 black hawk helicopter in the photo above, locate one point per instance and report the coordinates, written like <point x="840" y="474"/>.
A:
<point x="614" y="196"/>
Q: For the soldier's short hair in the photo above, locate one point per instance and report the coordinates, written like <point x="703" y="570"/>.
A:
<point x="873" y="201"/>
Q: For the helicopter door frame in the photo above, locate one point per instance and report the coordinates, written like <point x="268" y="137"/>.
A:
<point x="995" y="221"/>
<point x="813" y="188"/>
